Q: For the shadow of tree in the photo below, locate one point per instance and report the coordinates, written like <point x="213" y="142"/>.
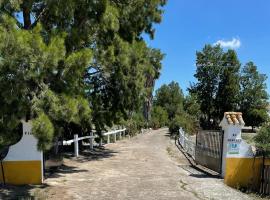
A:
<point x="19" y="192"/>
<point x="63" y="169"/>
<point x="25" y="192"/>
<point x="95" y="154"/>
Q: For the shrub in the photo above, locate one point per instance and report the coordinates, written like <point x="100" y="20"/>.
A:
<point x="43" y="130"/>
<point x="159" y="117"/>
<point x="262" y="139"/>
<point x="185" y="121"/>
<point x="134" y="124"/>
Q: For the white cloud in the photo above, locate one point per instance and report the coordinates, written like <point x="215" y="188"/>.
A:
<point x="231" y="44"/>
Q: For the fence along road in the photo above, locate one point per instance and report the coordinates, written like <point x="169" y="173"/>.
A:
<point x="206" y="151"/>
<point x="91" y="139"/>
<point x="146" y="167"/>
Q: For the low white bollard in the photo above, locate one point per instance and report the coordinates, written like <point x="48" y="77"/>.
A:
<point x="91" y="141"/>
<point x="100" y="142"/>
<point x="108" y="139"/>
<point x="76" y="145"/>
<point x="114" y="135"/>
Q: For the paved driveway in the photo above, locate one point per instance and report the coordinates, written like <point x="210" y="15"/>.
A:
<point x="148" y="166"/>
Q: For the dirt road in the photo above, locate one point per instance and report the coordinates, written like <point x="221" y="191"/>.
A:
<point x="148" y="166"/>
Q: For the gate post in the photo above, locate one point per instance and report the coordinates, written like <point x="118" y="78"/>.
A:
<point x="232" y="125"/>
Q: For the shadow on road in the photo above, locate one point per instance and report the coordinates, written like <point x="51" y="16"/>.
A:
<point x="18" y="192"/>
<point x="24" y="191"/>
<point x="96" y="154"/>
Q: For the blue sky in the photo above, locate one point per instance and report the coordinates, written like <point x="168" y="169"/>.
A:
<point x="190" y="24"/>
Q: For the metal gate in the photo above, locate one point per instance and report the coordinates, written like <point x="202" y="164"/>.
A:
<point x="208" y="150"/>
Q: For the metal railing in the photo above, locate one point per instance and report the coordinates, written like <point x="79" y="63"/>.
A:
<point x="187" y="143"/>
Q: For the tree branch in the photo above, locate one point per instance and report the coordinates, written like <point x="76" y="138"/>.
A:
<point x="38" y="18"/>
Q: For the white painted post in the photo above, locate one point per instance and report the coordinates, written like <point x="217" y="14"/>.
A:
<point x="232" y="125"/>
<point x="76" y="145"/>
<point x="120" y="135"/>
<point x="100" y="142"/>
<point x="114" y="137"/>
<point x="108" y="139"/>
<point x="91" y="141"/>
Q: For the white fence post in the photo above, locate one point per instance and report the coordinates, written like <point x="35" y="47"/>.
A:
<point x="108" y="139"/>
<point x="91" y="141"/>
<point x="100" y="142"/>
<point x="120" y="135"/>
<point x="76" y="145"/>
<point x="114" y="135"/>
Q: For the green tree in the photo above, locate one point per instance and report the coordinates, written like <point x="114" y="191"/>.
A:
<point x="84" y="56"/>
<point x="254" y="97"/>
<point x="192" y="106"/>
<point x="181" y="111"/>
<point x="209" y="67"/>
<point x="159" y="117"/>
<point x="152" y="73"/>
<point x="218" y="84"/>
<point x="171" y="98"/>
<point x="262" y="141"/>
<point x="227" y="98"/>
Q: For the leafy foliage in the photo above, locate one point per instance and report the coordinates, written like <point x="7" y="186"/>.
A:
<point x="222" y="87"/>
<point x="159" y="117"/>
<point x="75" y="64"/>
<point x="171" y="98"/>
<point x="262" y="139"/>
<point x="254" y="98"/>
<point x="134" y="124"/>
<point x="181" y="111"/>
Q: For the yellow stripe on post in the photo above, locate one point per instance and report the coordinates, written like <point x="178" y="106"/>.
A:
<point x="243" y="172"/>
<point x="22" y="172"/>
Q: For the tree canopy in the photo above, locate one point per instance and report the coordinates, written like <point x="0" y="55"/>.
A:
<point x="179" y="110"/>
<point x="222" y="86"/>
<point x="72" y="65"/>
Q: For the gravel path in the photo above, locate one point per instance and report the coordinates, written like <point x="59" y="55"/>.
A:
<point x="148" y="166"/>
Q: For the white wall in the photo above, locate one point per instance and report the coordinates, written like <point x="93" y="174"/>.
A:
<point x="26" y="148"/>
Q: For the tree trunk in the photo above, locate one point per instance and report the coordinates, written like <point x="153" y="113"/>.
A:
<point x="26" y="6"/>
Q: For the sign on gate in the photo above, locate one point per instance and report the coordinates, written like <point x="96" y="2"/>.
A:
<point x="208" y="151"/>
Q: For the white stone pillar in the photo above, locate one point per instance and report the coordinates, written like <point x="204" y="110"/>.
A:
<point x="232" y="125"/>
<point x="76" y="145"/>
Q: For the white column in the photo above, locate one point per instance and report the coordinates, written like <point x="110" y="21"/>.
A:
<point x="114" y="135"/>
<point x="100" y="142"/>
<point x="108" y="139"/>
<point x="91" y="141"/>
<point x="76" y="145"/>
